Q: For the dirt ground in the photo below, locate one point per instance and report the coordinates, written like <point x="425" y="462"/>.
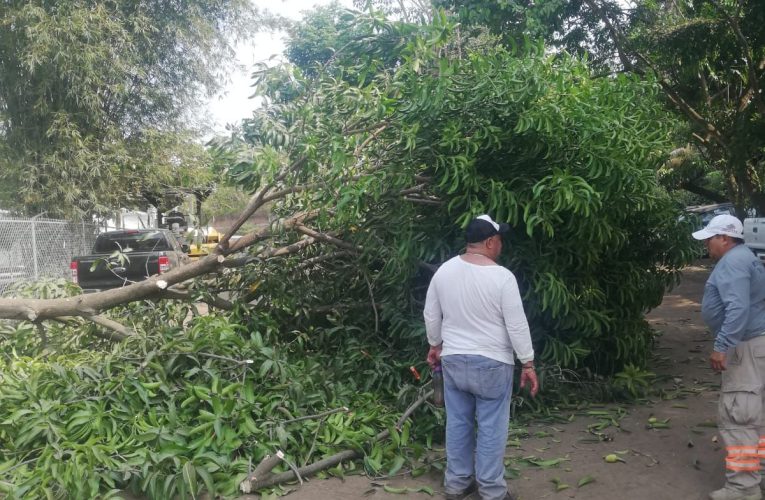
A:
<point x="682" y="459"/>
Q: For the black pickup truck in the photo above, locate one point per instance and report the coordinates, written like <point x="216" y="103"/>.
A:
<point x="122" y="257"/>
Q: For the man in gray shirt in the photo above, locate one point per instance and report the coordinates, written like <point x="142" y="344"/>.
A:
<point x="734" y="309"/>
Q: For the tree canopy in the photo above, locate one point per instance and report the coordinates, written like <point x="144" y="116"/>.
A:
<point x="93" y="96"/>
<point x="708" y="56"/>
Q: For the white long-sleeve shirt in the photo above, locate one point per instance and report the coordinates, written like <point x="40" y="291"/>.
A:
<point x="477" y="309"/>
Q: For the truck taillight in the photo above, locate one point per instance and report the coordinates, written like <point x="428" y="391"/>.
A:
<point x="73" y="270"/>
<point x="164" y="264"/>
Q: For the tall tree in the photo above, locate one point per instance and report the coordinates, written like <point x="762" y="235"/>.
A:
<point x="707" y="55"/>
<point x="90" y="90"/>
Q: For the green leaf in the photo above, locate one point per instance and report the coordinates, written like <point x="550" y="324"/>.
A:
<point x="585" y="481"/>
<point x="395" y="490"/>
<point x="190" y="478"/>
<point x="398" y="462"/>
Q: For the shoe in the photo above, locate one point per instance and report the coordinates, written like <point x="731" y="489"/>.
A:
<point x="472" y="488"/>
<point x="510" y="496"/>
<point x="731" y="494"/>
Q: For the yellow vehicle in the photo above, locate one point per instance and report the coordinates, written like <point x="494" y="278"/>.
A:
<point x="203" y="242"/>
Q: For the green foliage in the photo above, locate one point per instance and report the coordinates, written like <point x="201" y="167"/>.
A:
<point x="706" y="53"/>
<point x="568" y="159"/>
<point x="391" y="147"/>
<point x="569" y="25"/>
<point x="186" y="408"/>
<point x="94" y="97"/>
<point x="634" y="381"/>
<point x="225" y="201"/>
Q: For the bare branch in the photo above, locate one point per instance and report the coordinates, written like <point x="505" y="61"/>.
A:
<point x="90" y="304"/>
<point x="369" y="139"/>
<point x="321" y="258"/>
<point x="287" y="250"/>
<point x="43" y="336"/>
<point x="214" y="301"/>
<point x="326" y="237"/>
<point x="117" y="327"/>
<point x="290" y="190"/>
<point x="318" y="415"/>
<point x="265" y="233"/>
<point x="424" y="201"/>
<point x="271" y="252"/>
<point x="412" y="190"/>
<point x="256" y="202"/>
<point x="117" y="331"/>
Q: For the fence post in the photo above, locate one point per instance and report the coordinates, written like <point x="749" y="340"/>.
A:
<point x="34" y="245"/>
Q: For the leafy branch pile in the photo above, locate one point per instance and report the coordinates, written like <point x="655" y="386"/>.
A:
<point x="182" y="410"/>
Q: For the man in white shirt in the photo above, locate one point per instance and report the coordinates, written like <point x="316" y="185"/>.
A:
<point x="475" y="321"/>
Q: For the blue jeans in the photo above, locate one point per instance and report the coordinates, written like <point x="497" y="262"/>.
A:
<point x="477" y="393"/>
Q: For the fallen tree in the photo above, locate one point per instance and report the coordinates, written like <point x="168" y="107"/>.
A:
<point x="369" y="166"/>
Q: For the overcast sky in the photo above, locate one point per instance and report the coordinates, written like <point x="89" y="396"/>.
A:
<point x="234" y="103"/>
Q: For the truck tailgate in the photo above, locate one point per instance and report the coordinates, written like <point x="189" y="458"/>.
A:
<point x="111" y="273"/>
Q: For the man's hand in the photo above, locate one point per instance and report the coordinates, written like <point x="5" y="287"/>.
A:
<point x="434" y="356"/>
<point x="717" y="361"/>
<point x="529" y="375"/>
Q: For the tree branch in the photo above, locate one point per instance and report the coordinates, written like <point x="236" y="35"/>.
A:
<point x="321" y="258"/>
<point x="702" y="191"/>
<point x="326" y="237"/>
<point x="256" y="201"/>
<point x="265" y="233"/>
<point x="91" y="304"/>
<point x="117" y="331"/>
<point x="372" y="136"/>
<point x="248" y="485"/>
<point x="214" y="301"/>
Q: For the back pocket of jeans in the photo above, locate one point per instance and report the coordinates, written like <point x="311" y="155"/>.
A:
<point x="495" y="381"/>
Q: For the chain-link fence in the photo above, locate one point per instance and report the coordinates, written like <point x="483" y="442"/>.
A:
<point x="36" y="248"/>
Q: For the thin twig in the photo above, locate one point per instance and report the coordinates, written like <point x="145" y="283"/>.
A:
<point x="326" y="237"/>
<point x="344" y="409"/>
<point x="294" y="469"/>
<point x="425" y="396"/>
<point x="313" y="442"/>
<point x="43" y="335"/>
<point x="374" y="307"/>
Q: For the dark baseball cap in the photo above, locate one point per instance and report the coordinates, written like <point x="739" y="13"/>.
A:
<point x="482" y="227"/>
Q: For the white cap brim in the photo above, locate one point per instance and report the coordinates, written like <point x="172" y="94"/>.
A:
<point x="703" y="234"/>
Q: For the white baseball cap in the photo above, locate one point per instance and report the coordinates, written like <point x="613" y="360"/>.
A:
<point x="721" y="224"/>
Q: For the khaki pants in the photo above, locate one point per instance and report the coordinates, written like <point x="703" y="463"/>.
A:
<point x="741" y="419"/>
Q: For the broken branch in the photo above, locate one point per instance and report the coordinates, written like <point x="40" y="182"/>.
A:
<point x="249" y="485"/>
